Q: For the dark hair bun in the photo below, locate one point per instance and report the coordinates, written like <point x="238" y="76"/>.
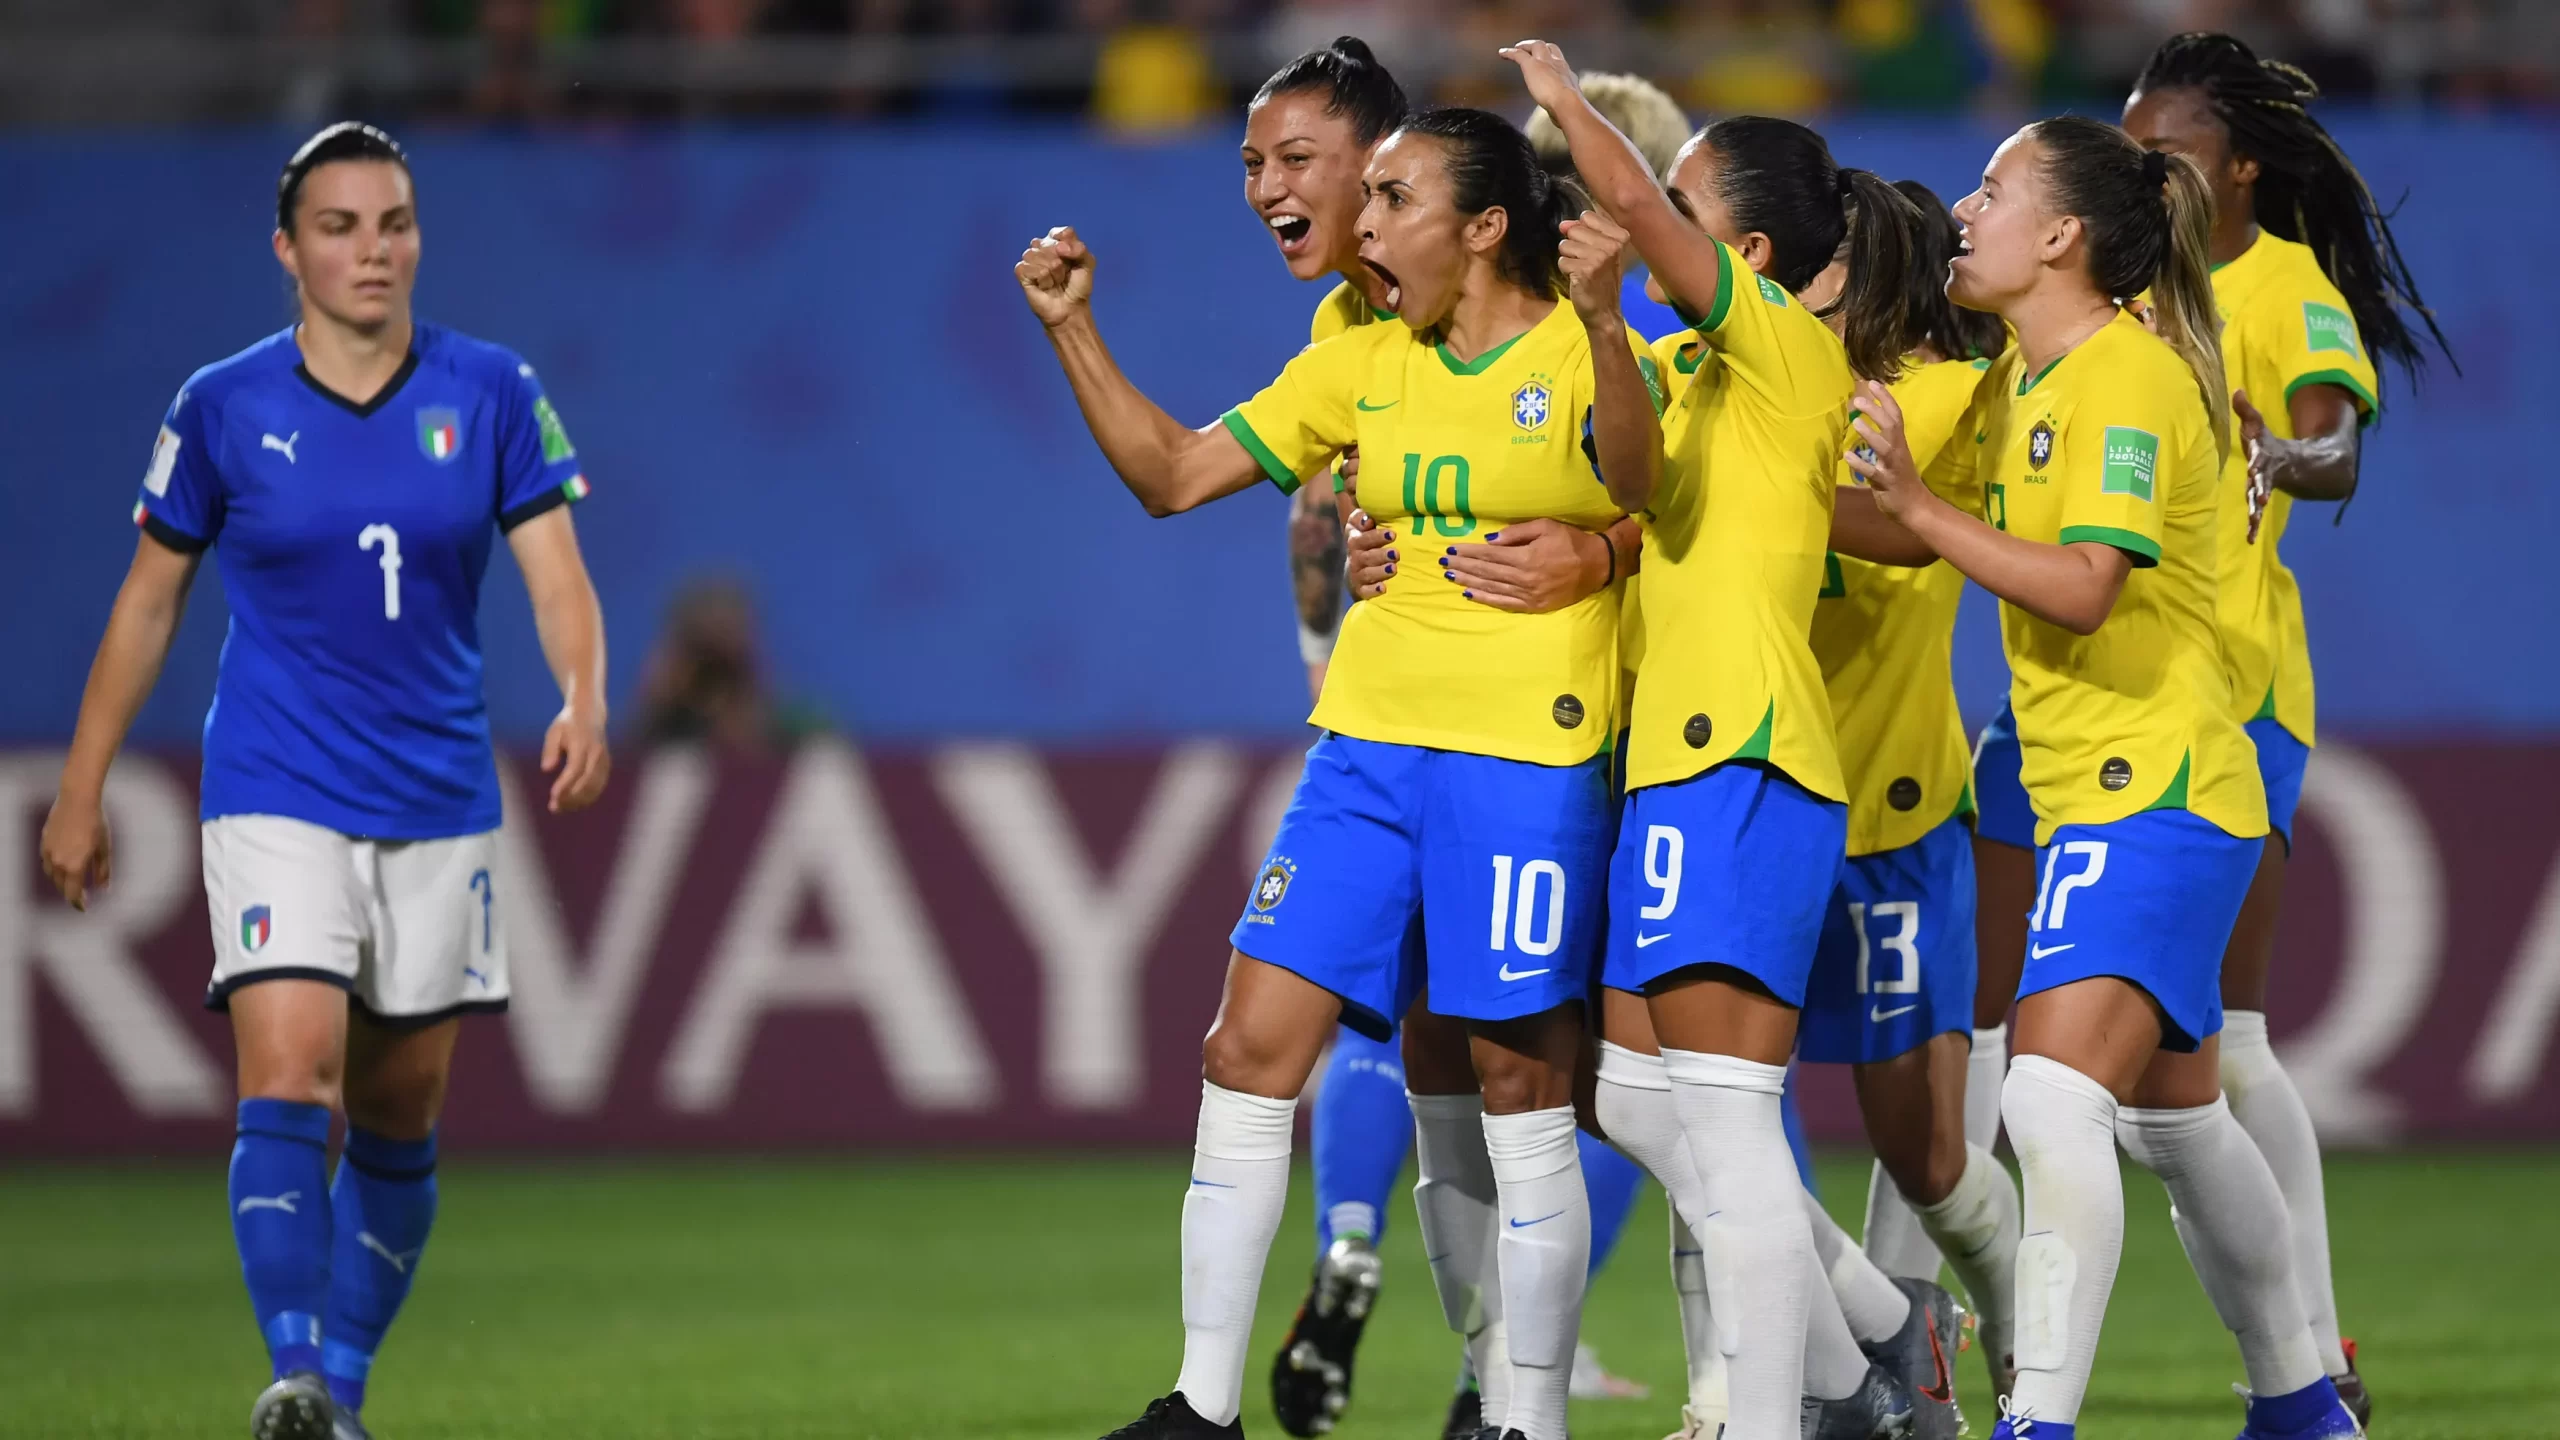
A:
<point x="1354" y="49"/>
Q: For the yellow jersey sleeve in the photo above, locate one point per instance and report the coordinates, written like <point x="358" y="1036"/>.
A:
<point x="2316" y="343"/>
<point x="1300" y="420"/>
<point x="2111" y="448"/>
<point x="1343" y="308"/>
<point x="1769" y="342"/>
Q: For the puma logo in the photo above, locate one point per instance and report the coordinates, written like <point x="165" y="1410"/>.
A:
<point x="283" y="446"/>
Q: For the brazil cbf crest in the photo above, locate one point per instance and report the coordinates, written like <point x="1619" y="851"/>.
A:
<point x="256" y="925"/>
<point x="439" y="433"/>
<point x="1273" y="887"/>
<point x="2039" y="444"/>
<point x="1530" y="404"/>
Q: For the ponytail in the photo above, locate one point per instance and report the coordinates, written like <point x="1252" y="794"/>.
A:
<point x="1490" y="165"/>
<point x="2147" y="217"/>
<point x="1879" y="326"/>
<point x="1355" y="86"/>
<point x="1778" y="178"/>
<point x="2183" y="311"/>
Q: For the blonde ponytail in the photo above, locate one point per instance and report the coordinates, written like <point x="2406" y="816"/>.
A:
<point x="2184" y="313"/>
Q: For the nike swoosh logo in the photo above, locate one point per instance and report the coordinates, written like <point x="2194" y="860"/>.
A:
<point x="2038" y="952"/>
<point x="1363" y="403"/>
<point x="1509" y="974"/>
<point x="1209" y="1184"/>
<point x="1541" y="1220"/>
<point x="1883" y="1015"/>
<point x="1642" y="939"/>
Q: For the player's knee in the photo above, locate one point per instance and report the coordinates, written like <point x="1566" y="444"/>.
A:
<point x="1926" y="1173"/>
<point x="1515" y="1084"/>
<point x="303" y="1077"/>
<point x="401" y="1105"/>
<point x="1234" y="1057"/>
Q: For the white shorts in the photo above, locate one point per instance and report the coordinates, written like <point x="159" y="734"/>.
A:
<point x="409" y="928"/>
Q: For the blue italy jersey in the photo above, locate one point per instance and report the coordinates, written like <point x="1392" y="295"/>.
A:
<point x="352" y="539"/>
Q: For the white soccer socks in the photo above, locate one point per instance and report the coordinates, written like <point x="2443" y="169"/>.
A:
<point x="1976" y="1228"/>
<point x="1985" y="1070"/>
<point x="2231" y="1218"/>
<point x="1729" y="1107"/>
<point x="1634" y="1106"/>
<point x="2062" y="1124"/>
<point x="1873" y="1306"/>
<point x="1239" y="1182"/>
<point x="1891" y="1234"/>
<point x="1454" y="1206"/>
<point x="2265" y="1103"/>
<point x="1545" y="1256"/>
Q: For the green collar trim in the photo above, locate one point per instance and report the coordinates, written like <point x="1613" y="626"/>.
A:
<point x="1481" y="363"/>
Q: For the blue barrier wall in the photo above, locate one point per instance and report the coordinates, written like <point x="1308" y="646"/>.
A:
<point x="800" y="356"/>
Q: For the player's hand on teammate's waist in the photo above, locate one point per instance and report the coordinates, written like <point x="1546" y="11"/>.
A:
<point x="77" y="852"/>
<point x="1057" y="276"/>
<point x="575" y="748"/>
<point x="2253" y="446"/>
<point x="1529" y="566"/>
<point x="1372" y="555"/>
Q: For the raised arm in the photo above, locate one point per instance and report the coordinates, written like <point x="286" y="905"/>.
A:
<point x="2074" y="586"/>
<point x="571" y="626"/>
<point x="1626" y="427"/>
<point x="1680" y="254"/>
<point x="76" y="850"/>
<point x="1168" y="466"/>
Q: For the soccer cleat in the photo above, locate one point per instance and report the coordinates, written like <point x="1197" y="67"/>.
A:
<point x="2313" y="1412"/>
<point x="1592" y="1380"/>
<point x="2015" y="1425"/>
<point x="294" y="1408"/>
<point x="1311" y="1377"/>
<point x="1695" y="1425"/>
<point x="1172" y="1418"/>
<point x="1922" y="1356"/>
<point x="1879" y="1409"/>
<point x="348" y="1427"/>
<point x="2351" y="1392"/>
<point x="1466" y="1415"/>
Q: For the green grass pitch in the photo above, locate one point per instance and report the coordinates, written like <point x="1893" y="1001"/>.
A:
<point x="1037" y="1298"/>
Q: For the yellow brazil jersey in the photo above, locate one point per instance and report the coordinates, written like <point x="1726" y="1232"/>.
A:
<point x="1885" y="636"/>
<point x="1452" y="451"/>
<point x="2110" y="444"/>
<point x="2284" y="326"/>
<point x="1735" y="544"/>
<point x="1676" y="358"/>
<point x="1343" y="308"/>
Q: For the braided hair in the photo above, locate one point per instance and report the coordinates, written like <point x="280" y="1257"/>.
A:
<point x="2307" y="189"/>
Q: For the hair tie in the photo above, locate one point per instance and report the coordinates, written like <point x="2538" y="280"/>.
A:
<point x="1841" y="185"/>
<point x="2155" y="168"/>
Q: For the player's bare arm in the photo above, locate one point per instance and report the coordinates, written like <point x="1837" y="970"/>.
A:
<point x="1168" y="466"/>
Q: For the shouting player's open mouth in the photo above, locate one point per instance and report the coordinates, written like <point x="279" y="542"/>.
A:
<point x="1292" y="231"/>
<point x="1386" y="277"/>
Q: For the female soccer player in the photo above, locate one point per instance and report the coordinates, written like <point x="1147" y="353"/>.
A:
<point x="1308" y="135"/>
<point x="2103" y="444"/>
<point x="1736" y="793"/>
<point x="351" y="472"/>
<point x="1891" y="992"/>
<point x="1461" y="776"/>
<point x="2310" y="284"/>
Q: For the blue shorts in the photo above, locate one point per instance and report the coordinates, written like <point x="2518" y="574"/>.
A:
<point x="2150" y="898"/>
<point x="1731" y="867"/>
<point x="2280" y="761"/>
<point x="2001" y="811"/>
<point x="1508" y="860"/>
<point x="1896" y="963"/>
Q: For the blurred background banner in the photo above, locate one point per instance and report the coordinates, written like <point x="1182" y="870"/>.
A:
<point x="799" y="357"/>
<point x="989" y="945"/>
